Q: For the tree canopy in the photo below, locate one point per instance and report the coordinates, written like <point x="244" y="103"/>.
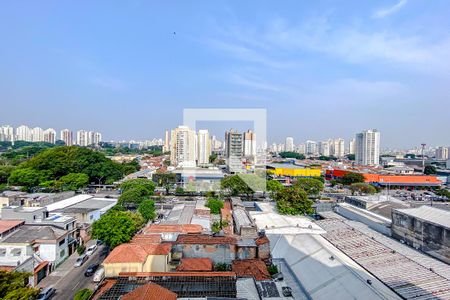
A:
<point x="147" y="210"/>
<point x="362" y="188"/>
<point x="135" y="191"/>
<point x="82" y="294"/>
<point x="311" y="186"/>
<point x="117" y="227"/>
<point x="55" y="163"/>
<point x="246" y="184"/>
<point x="13" y="286"/>
<point x="274" y="185"/>
<point x="214" y="205"/>
<point x="289" y="154"/>
<point x="351" y="177"/>
<point x="293" y="201"/>
<point x="430" y="170"/>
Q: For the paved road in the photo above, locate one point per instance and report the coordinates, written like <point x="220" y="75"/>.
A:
<point x="68" y="280"/>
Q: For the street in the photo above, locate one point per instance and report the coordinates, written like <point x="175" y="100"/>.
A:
<point x="67" y="279"/>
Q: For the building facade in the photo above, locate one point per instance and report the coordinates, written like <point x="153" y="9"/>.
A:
<point x="368" y="148"/>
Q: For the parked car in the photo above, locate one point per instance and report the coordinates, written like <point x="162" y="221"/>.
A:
<point x="287" y="291"/>
<point x="81" y="260"/>
<point x="91" y="250"/>
<point x="99" y="275"/>
<point x="46" y="293"/>
<point x="91" y="270"/>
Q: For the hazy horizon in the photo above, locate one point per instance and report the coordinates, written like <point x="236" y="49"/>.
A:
<point x="322" y="70"/>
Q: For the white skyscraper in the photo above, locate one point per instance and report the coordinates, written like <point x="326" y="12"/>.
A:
<point x="23" y="133"/>
<point x="301" y="148"/>
<point x="6" y="133"/>
<point x="249" y="144"/>
<point x="337" y="148"/>
<point x="203" y="147"/>
<point x="289" y="144"/>
<point x="352" y="146"/>
<point x="50" y="135"/>
<point x="234" y="151"/>
<point x="442" y="153"/>
<point x="182" y="147"/>
<point x="82" y="138"/>
<point x="324" y="148"/>
<point x="311" y="148"/>
<point x="37" y="134"/>
<point x="166" y="146"/>
<point x="97" y="138"/>
<point x="368" y="148"/>
<point x="67" y="137"/>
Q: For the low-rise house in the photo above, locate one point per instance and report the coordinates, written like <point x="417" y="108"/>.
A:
<point x="255" y="268"/>
<point x="150" y="291"/>
<point x="138" y="257"/>
<point x="220" y="249"/>
<point x="88" y="211"/>
<point x="170" y="232"/>
<point x="195" y="265"/>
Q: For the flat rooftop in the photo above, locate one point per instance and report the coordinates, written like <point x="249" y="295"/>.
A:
<point x="89" y="205"/>
<point x="29" y="233"/>
<point x="429" y="214"/>
<point x="410" y="276"/>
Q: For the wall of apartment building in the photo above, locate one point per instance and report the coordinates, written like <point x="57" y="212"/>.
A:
<point x="246" y="252"/>
<point x="428" y="237"/>
<point x="264" y="251"/>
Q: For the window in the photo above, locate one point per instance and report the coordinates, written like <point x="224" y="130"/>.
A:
<point x="16" y="252"/>
<point x="62" y="242"/>
<point x="2" y="251"/>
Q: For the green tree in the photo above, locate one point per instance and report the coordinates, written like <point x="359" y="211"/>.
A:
<point x="214" y="205"/>
<point x="73" y="181"/>
<point x="83" y="294"/>
<point x="81" y="249"/>
<point x="212" y="157"/>
<point x="115" y="228"/>
<point x="351" y="156"/>
<point x="147" y="210"/>
<point x="13" y="286"/>
<point x="165" y="180"/>
<point x="132" y="197"/>
<point x="179" y="191"/>
<point x="147" y="186"/>
<point x="310" y="185"/>
<point x="274" y="186"/>
<point x="430" y="170"/>
<point x="293" y="201"/>
<point x="288" y="154"/>
<point x="237" y="184"/>
<point x="27" y="177"/>
<point x="362" y="188"/>
<point x="351" y="177"/>
<point x="5" y="172"/>
<point x="218" y="226"/>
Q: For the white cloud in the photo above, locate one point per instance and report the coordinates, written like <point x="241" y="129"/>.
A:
<point x="381" y="13"/>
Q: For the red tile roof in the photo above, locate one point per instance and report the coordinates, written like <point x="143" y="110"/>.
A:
<point x="251" y="267"/>
<point x="195" y="264"/>
<point x="105" y="286"/>
<point x="168" y="228"/>
<point x="262" y="240"/>
<point x="204" y="239"/>
<point x="150" y="291"/>
<point x="6" y="225"/>
<point x="136" y="252"/>
<point x="147" y="238"/>
<point x="177" y="274"/>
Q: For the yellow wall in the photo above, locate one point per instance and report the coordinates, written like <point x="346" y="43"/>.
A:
<point x="154" y="263"/>
<point x="295" y="172"/>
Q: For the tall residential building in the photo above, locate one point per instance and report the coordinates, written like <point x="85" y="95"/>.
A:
<point x="234" y="151"/>
<point x="442" y="153"/>
<point x="338" y="148"/>
<point x="67" y="137"/>
<point x="97" y="138"/>
<point x="23" y="133"/>
<point x="203" y="147"/>
<point x="82" y="138"/>
<point x="352" y="146"/>
<point x="301" y="148"/>
<point x="368" y="148"/>
<point x="324" y="148"/>
<point x="289" y="144"/>
<point x="182" y="147"/>
<point x="37" y="134"/>
<point x="166" y="146"/>
<point x="50" y="135"/>
<point x="311" y="148"/>
<point x="6" y="133"/>
<point x="249" y="144"/>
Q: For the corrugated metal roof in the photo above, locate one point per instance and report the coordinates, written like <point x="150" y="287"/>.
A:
<point x="430" y="214"/>
<point x="68" y="202"/>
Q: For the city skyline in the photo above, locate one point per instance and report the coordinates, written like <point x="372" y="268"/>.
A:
<point x="310" y="65"/>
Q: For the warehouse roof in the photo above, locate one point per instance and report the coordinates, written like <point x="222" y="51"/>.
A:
<point x="429" y="214"/>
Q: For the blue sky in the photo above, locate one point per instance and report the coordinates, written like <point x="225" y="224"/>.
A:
<point x="321" y="68"/>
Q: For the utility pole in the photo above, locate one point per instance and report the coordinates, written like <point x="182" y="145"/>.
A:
<point x="423" y="158"/>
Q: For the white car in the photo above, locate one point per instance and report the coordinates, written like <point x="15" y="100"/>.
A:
<point x="91" y="250"/>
